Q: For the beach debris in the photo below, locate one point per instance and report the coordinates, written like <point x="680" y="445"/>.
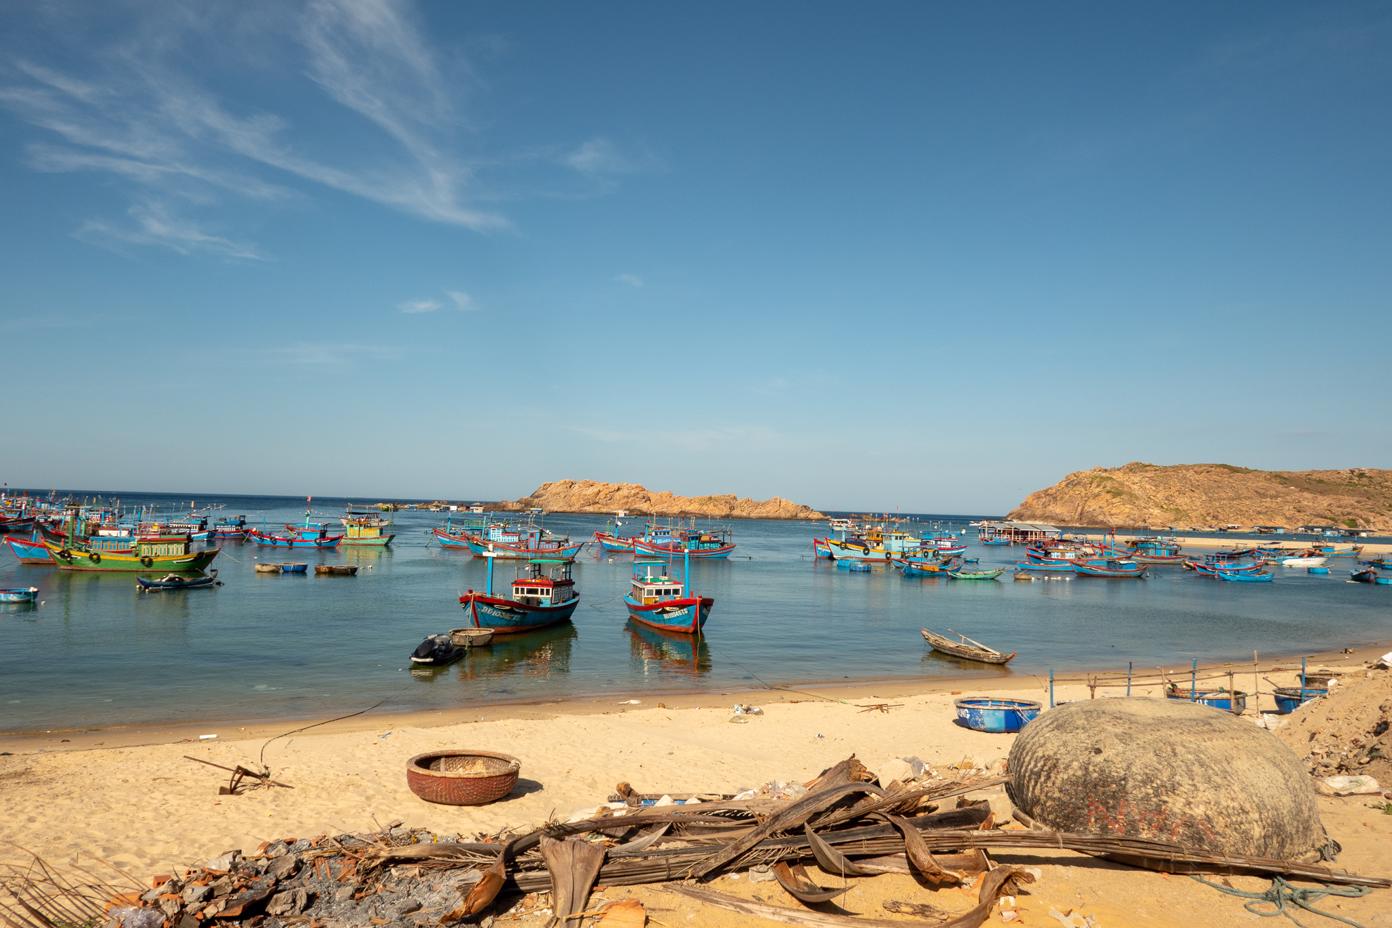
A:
<point x="1348" y="732"/>
<point x="839" y="822"/>
<point x="1348" y="786"/>
<point x="741" y="712"/>
<point x="626" y="913"/>
<point x="1384" y="662"/>
<point x="239" y="773"/>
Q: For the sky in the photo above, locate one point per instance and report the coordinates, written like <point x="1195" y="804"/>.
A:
<point x="898" y="256"/>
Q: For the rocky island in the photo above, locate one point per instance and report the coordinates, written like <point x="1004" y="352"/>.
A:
<point x="594" y="496"/>
<point x="1200" y="495"/>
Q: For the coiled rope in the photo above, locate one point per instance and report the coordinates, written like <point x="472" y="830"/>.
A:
<point x="1281" y="896"/>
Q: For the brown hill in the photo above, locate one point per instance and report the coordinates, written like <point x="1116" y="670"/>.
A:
<point x="593" y="496"/>
<point x="1199" y="495"/>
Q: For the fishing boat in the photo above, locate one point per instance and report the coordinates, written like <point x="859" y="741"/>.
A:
<point x="16" y="524"/>
<point x="1381" y="563"/>
<point x="989" y="574"/>
<point x="176" y="582"/>
<point x="366" y="530"/>
<point x="1304" y="561"/>
<point x="878" y="543"/>
<point x="265" y="568"/>
<point x="965" y="648"/>
<point x="1366" y="575"/>
<point x="1331" y="550"/>
<point x="230" y="527"/>
<point x="544" y="594"/>
<point x="436" y="651"/>
<point x="336" y="570"/>
<point x="660" y="601"/>
<point x="664" y="542"/>
<point x="615" y="543"/>
<point x="926" y="566"/>
<point x="1111" y="568"/>
<point x="1245" y="576"/>
<point x="501" y="540"/>
<point x="30" y="551"/>
<point x="1211" y="564"/>
<point x="163" y="553"/>
<point x="1157" y="551"/>
<point x="321" y="540"/>
<point x="1235" y="702"/>
<point x="19" y="594"/>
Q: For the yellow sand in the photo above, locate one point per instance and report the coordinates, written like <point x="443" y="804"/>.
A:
<point x="147" y="809"/>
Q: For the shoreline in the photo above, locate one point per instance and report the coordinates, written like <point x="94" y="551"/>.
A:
<point x="143" y="734"/>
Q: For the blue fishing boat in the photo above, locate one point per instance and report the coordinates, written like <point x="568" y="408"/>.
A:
<point x="663" y="602"/>
<point x="1245" y="576"/>
<point x="298" y="541"/>
<point x="667" y="542"/>
<point x="19" y="594"/>
<point x="542" y="595"/>
<point x="1109" y="567"/>
<point x="855" y="567"/>
<point x="1288" y="697"/>
<point x="927" y="566"/>
<point x="992" y="540"/>
<point x="1157" y="551"/>
<point x="1055" y="566"/>
<point x="29" y="550"/>
<point x="996" y="714"/>
<point x="1234" y="702"/>
<point x="1366" y="575"/>
<point x="232" y="527"/>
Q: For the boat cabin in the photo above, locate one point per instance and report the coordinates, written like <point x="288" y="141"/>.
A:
<point x="364" y="526"/>
<point x="162" y="545"/>
<point x="652" y="585"/>
<point x="547" y="582"/>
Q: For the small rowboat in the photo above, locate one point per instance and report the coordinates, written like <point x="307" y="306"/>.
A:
<point x="1235" y="702"/>
<point x="1245" y="576"/>
<point x="19" y="594"/>
<point x="282" y="568"/>
<point x="1304" y="561"/>
<point x="336" y="570"/>
<point x="1288" y="697"/>
<point x="1111" y="568"/>
<point x="176" y="582"/>
<point x="976" y="574"/>
<point x="965" y="648"/>
<point x="471" y="637"/>
<point x="997" y="714"/>
<point x="1369" y="575"/>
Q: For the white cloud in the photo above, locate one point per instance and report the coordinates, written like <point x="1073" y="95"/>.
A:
<point x="462" y="301"/>
<point x="631" y="280"/>
<point x="600" y="157"/>
<point x="154" y="224"/>
<point x="418" y="306"/>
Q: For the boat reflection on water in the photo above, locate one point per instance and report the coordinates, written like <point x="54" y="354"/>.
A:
<point x="538" y="655"/>
<point x="652" y="650"/>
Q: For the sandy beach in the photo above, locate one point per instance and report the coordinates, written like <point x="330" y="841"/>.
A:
<point x="132" y="798"/>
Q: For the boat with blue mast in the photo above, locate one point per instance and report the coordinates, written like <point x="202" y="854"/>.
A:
<point x="660" y="601"/>
<point x="542" y="595"/>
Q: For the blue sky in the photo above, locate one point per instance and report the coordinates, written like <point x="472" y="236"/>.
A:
<point x="911" y="256"/>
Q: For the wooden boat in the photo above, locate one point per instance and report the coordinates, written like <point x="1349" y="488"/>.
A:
<point x="336" y="570"/>
<point x="471" y="637"/>
<point x="231" y="528"/>
<point x="543" y="595"/>
<point x="1235" y="702"/>
<point x="316" y="541"/>
<point x="500" y="540"/>
<point x="282" y="568"/>
<point x="1110" y="568"/>
<point x="665" y="603"/>
<point x="1245" y="576"/>
<point x="925" y="567"/>
<point x="1304" y="561"/>
<point x="615" y="543"/>
<point x="176" y="582"/>
<point x="1157" y="551"/>
<point x="965" y="648"/>
<point x="667" y="542"/>
<point x="1289" y="697"/>
<point x="366" y="530"/>
<point x="990" y="574"/>
<point x="1366" y="575"/>
<point x="1381" y="563"/>
<point x="436" y="651"/>
<point x="166" y="554"/>
<point x="19" y="594"/>
<point x="1057" y="565"/>
<point x="30" y="551"/>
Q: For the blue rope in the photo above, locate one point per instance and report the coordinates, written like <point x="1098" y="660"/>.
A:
<point x="1280" y="894"/>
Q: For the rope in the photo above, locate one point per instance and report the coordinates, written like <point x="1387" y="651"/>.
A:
<point x="1281" y="894"/>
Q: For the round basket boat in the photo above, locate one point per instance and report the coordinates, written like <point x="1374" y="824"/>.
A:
<point x="462" y="778"/>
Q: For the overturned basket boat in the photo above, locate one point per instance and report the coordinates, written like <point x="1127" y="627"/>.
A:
<point x="462" y="778"/>
<point x="336" y="570"/>
<point x="966" y="648"/>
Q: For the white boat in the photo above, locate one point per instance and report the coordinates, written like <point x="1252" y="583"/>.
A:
<point x="1304" y="562"/>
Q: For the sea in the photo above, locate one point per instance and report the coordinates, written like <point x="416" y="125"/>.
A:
<point x="94" y="652"/>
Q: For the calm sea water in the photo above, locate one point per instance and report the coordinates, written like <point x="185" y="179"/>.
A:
<point x="270" y="646"/>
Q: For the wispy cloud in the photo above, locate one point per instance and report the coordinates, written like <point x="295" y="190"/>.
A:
<point x="153" y="224"/>
<point x="629" y="280"/>
<point x="600" y="157"/>
<point x="418" y="306"/>
<point x="462" y="301"/>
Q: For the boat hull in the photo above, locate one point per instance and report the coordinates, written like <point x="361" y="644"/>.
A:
<point x="674" y="550"/>
<point x="19" y="595"/>
<point x="686" y="616"/>
<point x="283" y="541"/>
<point x="508" y="617"/>
<point x="107" y="562"/>
<point x="381" y="541"/>
<point x="30" y="552"/>
<point x="614" y="543"/>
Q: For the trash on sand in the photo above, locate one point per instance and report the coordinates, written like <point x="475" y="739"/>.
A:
<point x="1348" y="786"/>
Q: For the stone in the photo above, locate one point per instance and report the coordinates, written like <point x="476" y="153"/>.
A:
<point x="290" y="902"/>
<point x="225" y="862"/>
<point x="194" y="894"/>
<point x="283" y="867"/>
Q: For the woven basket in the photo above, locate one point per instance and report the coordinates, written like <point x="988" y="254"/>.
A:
<point x="462" y="778"/>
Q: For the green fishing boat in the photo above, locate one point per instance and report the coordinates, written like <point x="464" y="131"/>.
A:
<point x="165" y="553"/>
<point x="366" y="530"/>
<point x="991" y="574"/>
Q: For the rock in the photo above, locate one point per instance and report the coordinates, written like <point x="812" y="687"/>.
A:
<point x="224" y="863"/>
<point x="283" y="867"/>
<point x="194" y="894"/>
<point x="593" y="496"/>
<point x="1348" y="786"/>
<point x="1212" y="494"/>
<point x="1169" y="771"/>
<point x="899" y="769"/>
<point x="289" y="902"/>
<point x="345" y="894"/>
<point x="130" y="917"/>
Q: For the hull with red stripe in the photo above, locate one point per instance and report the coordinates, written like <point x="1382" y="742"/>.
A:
<point x="685" y="616"/>
<point x="510" y="617"/>
<point x="30" y="552"/>
<point x="676" y="550"/>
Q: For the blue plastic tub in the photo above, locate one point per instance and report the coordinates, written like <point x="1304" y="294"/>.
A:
<point x="859" y="567"/>
<point x="999" y="714"/>
<point x="1288" y="697"/>
<point x="1214" y="699"/>
<point x="1317" y="570"/>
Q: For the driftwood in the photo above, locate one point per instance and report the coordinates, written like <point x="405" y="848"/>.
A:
<point x="573" y="865"/>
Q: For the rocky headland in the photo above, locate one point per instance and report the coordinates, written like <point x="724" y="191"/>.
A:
<point x="595" y="496"/>
<point x="1203" y="495"/>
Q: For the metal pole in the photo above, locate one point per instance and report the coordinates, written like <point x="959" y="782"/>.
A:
<point x="489" y="555"/>
<point x="1051" y="688"/>
<point x="1302" y="679"/>
<point x="1129" y="665"/>
<point x="1194" y="680"/>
